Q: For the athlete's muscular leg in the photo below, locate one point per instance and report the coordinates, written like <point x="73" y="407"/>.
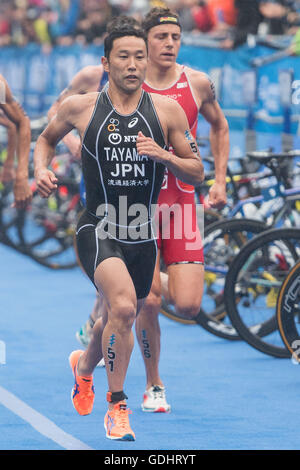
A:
<point x="98" y="312"/>
<point x="95" y="332"/>
<point x="117" y="336"/>
<point x="148" y="330"/>
<point x="185" y="288"/>
<point x="98" y="307"/>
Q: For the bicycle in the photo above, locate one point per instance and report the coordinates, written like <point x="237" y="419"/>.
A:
<point x="252" y="285"/>
<point x="222" y="242"/>
<point x="45" y="230"/>
<point x="288" y="311"/>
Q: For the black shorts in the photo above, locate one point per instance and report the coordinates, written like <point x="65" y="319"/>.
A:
<point x="139" y="258"/>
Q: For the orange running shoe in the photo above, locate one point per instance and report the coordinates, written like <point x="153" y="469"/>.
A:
<point x="116" y="423"/>
<point x="83" y="393"/>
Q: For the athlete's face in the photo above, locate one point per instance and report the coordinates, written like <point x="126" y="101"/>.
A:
<point x="164" y="44"/>
<point x="127" y="63"/>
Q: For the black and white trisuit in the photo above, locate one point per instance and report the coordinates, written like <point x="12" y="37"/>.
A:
<point x="121" y="189"/>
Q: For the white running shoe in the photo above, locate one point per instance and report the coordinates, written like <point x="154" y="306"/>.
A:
<point x="83" y="337"/>
<point x="101" y="363"/>
<point x="155" y="400"/>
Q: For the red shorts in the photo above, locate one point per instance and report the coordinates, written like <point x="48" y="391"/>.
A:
<point x="178" y="234"/>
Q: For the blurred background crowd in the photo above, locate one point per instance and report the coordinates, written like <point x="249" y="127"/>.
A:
<point x="64" y="22"/>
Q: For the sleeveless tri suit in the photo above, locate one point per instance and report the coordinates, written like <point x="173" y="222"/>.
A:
<point x="186" y="245"/>
<point x="121" y="188"/>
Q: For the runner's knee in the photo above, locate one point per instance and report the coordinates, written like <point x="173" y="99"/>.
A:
<point x="187" y="307"/>
<point x="152" y="303"/>
<point x="122" y="313"/>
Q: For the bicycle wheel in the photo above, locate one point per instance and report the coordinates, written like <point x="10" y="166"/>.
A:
<point x="46" y="229"/>
<point x="252" y="285"/>
<point x="222" y="241"/>
<point x="288" y="311"/>
<point x="8" y="217"/>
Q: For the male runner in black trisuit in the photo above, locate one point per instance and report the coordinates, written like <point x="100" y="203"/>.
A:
<point x="124" y="132"/>
<point x="182" y="286"/>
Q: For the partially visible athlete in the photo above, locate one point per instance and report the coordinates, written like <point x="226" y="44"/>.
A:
<point x="125" y="134"/>
<point x="183" y="256"/>
<point x="19" y="140"/>
<point x="8" y="168"/>
<point x="87" y="80"/>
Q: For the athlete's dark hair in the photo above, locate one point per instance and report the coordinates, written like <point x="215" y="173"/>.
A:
<point x="119" y="27"/>
<point x="122" y="21"/>
<point x="158" y="16"/>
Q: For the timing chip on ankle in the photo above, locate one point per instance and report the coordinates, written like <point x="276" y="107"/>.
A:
<point x="116" y="396"/>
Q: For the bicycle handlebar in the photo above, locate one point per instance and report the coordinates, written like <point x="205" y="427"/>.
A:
<point x="262" y="155"/>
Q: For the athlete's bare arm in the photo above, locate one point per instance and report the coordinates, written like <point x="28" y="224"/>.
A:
<point x="74" y="113"/>
<point x="8" y="168"/>
<point x="87" y="80"/>
<point x="186" y="164"/>
<point x="219" y="133"/>
<point x="15" y="113"/>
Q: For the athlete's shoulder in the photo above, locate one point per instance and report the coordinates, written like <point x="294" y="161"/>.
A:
<point x="6" y="96"/>
<point x="2" y="78"/>
<point x="196" y="74"/>
<point x="75" y="104"/>
<point x="92" y="71"/>
<point x="167" y="108"/>
<point x="201" y="83"/>
<point x="87" y="79"/>
<point x="163" y="100"/>
<point x="81" y="100"/>
<point x="3" y="83"/>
